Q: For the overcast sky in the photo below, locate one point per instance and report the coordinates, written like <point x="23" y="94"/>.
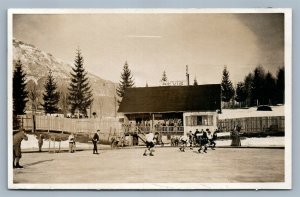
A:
<point x="152" y="43"/>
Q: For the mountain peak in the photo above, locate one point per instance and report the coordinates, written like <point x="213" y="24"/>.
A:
<point x="37" y="64"/>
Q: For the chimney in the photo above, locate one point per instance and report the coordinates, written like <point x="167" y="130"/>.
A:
<point x="187" y="75"/>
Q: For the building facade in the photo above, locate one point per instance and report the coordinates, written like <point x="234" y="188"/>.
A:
<point x="171" y="110"/>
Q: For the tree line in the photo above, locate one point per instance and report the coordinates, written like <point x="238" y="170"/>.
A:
<point x="257" y="88"/>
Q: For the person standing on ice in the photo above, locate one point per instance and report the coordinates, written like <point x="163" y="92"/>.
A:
<point x="71" y="143"/>
<point x="40" y="142"/>
<point x="235" y="136"/>
<point x="17" y="153"/>
<point x="95" y="140"/>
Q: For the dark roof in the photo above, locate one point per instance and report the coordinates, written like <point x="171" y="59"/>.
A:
<point x="171" y="99"/>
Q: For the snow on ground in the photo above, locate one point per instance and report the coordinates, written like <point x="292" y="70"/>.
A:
<point x="260" y="142"/>
<point x="222" y="134"/>
<point x="32" y="143"/>
<point x="251" y="112"/>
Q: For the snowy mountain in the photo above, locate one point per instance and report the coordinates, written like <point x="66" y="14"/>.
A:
<point x="37" y="63"/>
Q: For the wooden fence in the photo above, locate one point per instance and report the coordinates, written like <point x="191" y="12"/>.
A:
<point x="109" y="125"/>
<point x="253" y="124"/>
<point x="88" y="125"/>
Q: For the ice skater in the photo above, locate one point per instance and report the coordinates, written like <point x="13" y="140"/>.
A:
<point x="191" y="139"/>
<point x="183" y="140"/>
<point x="211" y="140"/>
<point x="150" y="139"/>
<point x="203" y="142"/>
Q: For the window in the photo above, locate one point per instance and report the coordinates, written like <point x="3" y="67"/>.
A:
<point x="206" y="120"/>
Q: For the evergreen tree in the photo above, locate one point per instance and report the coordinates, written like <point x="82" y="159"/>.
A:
<point x="19" y="90"/>
<point x="257" y="86"/>
<point x="248" y="86"/>
<point x="269" y="89"/>
<point x="195" y="81"/>
<point x="280" y="86"/>
<point x="80" y="93"/>
<point x="51" y="95"/>
<point x="126" y="81"/>
<point x="241" y="93"/>
<point x="164" y="77"/>
<point x="146" y="84"/>
<point x="226" y="87"/>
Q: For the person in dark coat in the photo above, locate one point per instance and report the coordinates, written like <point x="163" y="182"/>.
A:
<point x="235" y="136"/>
<point x="17" y="153"/>
<point x="72" y="143"/>
<point x="95" y="140"/>
<point x="203" y="142"/>
<point x="191" y="139"/>
<point x="40" y="142"/>
<point x="196" y="134"/>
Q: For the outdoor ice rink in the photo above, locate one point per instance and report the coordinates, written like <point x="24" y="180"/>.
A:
<point x="168" y="165"/>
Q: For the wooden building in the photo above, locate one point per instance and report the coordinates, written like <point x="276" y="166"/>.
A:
<point x="172" y="109"/>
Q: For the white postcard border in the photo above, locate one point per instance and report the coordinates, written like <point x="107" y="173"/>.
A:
<point x="162" y="186"/>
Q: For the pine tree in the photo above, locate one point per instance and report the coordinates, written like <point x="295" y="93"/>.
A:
<point x="51" y="96"/>
<point x="19" y="90"/>
<point x="80" y="93"/>
<point x="280" y="86"/>
<point x="269" y="89"/>
<point x="164" y="78"/>
<point x="241" y="93"/>
<point x="226" y="87"/>
<point x="248" y="86"/>
<point x="126" y="81"/>
<point x="146" y="84"/>
<point x="257" y="86"/>
<point x="195" y="81"/>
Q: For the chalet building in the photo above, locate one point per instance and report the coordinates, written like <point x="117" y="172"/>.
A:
<point x="173" y="110"/>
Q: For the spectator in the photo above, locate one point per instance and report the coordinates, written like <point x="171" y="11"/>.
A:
<point x="235" y="136"/>
<point x="96" y="139"/>
<point x="71" y="143"/>
<point x="40" y="142"/>
<point x="17" y="153"/>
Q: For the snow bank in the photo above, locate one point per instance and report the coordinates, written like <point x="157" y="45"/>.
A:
<point x="260" y="142"/>
<point x="32" y="143"/>
<point x="251" y="112"/>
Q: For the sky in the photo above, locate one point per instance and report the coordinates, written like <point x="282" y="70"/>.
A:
<point x="153" y="43"/>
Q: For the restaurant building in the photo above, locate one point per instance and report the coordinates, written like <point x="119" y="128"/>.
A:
<point x="171" y="110"/>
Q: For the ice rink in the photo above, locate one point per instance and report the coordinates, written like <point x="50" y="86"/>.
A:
<point x="169" y="165"/>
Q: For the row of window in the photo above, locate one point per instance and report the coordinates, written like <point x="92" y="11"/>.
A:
<point x="206" y="120"/>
